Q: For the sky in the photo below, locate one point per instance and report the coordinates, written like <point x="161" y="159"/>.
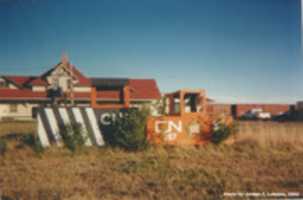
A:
<point x="237" y="50"/>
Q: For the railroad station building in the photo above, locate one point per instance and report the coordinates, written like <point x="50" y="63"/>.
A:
<point x="64" y="84"/>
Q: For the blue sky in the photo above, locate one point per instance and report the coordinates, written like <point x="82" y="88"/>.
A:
<point x="238" y="50"/>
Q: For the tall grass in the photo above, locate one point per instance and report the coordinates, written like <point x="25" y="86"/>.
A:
<point x="156" y="173"/>
<point x="160" y="172"/>
<point x="271" y="134"/>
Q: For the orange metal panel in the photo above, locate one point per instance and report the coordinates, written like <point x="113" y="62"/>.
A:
<point x="190" y="129"/>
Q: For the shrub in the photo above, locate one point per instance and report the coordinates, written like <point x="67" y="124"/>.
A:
<point x="33" y="142"/>
<point x="128" y="130"/>
<point x="72" y="136"/>
<point x="3" y="146"/>
<point x="223" y="131"/>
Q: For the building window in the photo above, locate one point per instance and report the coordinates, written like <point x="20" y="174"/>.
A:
<point x="13" y="108"/>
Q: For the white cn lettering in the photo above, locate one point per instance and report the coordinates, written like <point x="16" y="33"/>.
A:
<point x="176" y="126"/>
<point x="157" y="126"/>
<point x="171" y="126"/>
<point x="105" y="119"/>
<point x="114" y="117"/>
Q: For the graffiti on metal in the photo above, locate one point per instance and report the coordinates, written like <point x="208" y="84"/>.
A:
<point x="169" y="129"/>
<point x="94" y="123"/>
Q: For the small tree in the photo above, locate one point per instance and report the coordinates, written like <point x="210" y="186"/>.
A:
<point x="128" y="130"/>
<point x="72" y="136"/>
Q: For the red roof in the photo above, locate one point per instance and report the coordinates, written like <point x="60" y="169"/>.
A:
<point x="18" y="80"/>
<point x="24" y="80"/>
<point x="144" y="89"/>
<point x="141" y="89"/>
<point x="38" y="82"/>
<point x="83" y="81"/>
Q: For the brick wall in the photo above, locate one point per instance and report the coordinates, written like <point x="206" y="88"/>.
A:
<point x="217" y="109"/>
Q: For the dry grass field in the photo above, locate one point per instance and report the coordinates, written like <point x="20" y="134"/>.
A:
<point x="267" y="134"/>
<point x="247" y="165"/>
<point x="22" y="127"/>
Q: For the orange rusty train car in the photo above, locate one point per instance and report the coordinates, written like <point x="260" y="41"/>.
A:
<point x="186" y="121"/>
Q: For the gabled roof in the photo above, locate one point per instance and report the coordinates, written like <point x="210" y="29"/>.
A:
<point x="83" y="81"/>
<point x="19" y="81"/>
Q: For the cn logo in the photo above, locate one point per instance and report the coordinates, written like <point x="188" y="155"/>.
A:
<point x="108" y="118"/>
<point x="169" y="129"/>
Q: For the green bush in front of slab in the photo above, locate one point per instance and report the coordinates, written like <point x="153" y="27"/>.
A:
<point x="72" y="136"/>
<point x="128" y="130"/>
